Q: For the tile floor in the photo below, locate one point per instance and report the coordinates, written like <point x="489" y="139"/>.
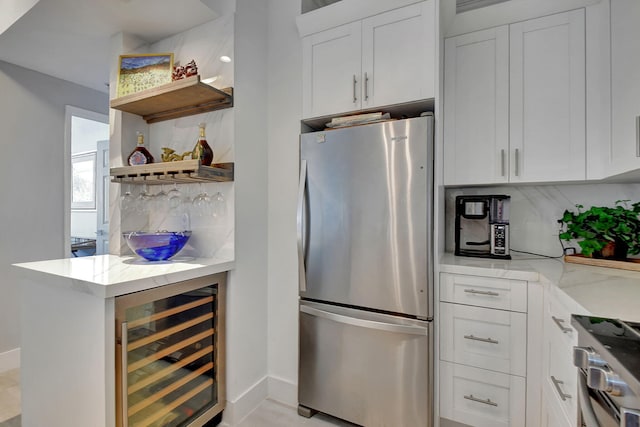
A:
<point x="9" y="395"/>
<point x="274" y="414"/>
<point x="268" y="414"/>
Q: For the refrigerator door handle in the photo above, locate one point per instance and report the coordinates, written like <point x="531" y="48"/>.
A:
<point x="302" y="275"/>
<point x="369" y="324"/>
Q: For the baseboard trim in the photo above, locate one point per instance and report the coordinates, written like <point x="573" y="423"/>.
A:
<point x="235" y="411"/>
<point x="283" y="391"/>
<point x="10" y="360"/>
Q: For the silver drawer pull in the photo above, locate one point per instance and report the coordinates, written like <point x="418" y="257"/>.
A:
<point x="560" y="323"/>
<point x="473" y="291"/>
<point x="557" y="383"/>
<point x="489" y="340"/>
<point x="475" y="399"/>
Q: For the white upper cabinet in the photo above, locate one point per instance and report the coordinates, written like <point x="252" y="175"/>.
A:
<point x="476" y="107"/>
<point x="625" y="86"/>
<point x="398" y="54"/>
<point x="547" y="92"/>
<point x="331" y="70"/>
<point x="382" y="60"/>
<point x="514" y="102"/>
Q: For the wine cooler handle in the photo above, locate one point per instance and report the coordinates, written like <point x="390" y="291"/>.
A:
<point x="124" y="387"/>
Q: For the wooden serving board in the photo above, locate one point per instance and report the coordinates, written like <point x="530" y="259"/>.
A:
<point x="629" y="264"/>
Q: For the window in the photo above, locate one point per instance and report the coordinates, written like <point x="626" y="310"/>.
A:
<point x="83" y="178"/>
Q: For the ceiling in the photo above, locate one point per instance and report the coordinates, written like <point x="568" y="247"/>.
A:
<point x="70" y="39"/>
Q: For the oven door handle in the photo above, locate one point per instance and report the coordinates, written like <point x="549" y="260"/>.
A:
<point x="589" y="418"/>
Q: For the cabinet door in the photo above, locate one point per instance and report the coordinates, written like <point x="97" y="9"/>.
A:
<point x="331" y="71"/>
<point x="547" y="92"/>
<point x="476" y="107"/>
<point x="625" y="85"/>
<point x="398" y="55"/>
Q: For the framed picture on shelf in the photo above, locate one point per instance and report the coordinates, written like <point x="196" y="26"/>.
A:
<point x="83" y="178"/>
<point x="143" y="71"/>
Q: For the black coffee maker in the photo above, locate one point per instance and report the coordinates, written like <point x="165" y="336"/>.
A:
<point x="482" y="226"/>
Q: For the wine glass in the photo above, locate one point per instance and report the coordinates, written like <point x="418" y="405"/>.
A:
<point x="202" y="203"/>
<point x="161" y="199"/>
<point x="219" y="205"/>
<point x="175" y="200"/>
<point x="127" y="202"/>
<point x="143" y="200"/>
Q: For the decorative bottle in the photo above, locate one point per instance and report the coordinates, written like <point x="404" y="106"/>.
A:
<point x="202" y="151"/>
<point x="140" y="155"/>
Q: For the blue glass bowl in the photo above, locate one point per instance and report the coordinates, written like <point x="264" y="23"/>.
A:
<point x="156" y="246"/>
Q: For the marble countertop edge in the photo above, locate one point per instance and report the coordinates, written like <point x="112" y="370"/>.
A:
<point x="109" y="276"/>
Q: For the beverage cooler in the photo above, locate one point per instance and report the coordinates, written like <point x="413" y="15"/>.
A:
<point x="170" y="355"/>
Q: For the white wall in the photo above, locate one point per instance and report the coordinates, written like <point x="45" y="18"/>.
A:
<point x="32" y="119"/>
<point x="285" y="107"/>
<point x="247" y="290"/>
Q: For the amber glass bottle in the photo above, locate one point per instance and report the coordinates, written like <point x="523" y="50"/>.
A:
<point x="140" y="155"/>
<point x="202" y="151"/>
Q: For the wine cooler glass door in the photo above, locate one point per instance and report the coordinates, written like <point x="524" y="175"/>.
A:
<point x="168" y="356"/>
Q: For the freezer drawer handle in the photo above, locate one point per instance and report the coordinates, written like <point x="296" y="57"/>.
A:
<point x="489" y="340"/>
<point x="557" y="383"/>
<point x="489" y="293"/>
<point x="370" y="324"/>
<point x="302" y="274"/>
<point x="560" y="324"/>
<point x="475" y="399"/>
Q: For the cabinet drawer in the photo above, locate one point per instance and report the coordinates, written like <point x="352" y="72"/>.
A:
<point x="560" y="376"/>
<point x="558" y="324"/>
<point x="487" y="292"/>
<point x="484" y="338"/>
<point x="481" y="398"/>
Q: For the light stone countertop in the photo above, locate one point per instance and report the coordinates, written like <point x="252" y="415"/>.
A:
<point x="605" y="292"/>
<point x="109" y="276"/>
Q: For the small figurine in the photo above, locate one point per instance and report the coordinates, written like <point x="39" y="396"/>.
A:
<point x="170" y="155"/>
<point x="184" y="71"/>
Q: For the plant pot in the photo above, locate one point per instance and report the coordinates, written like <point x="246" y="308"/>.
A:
<point x="613" y="250"/>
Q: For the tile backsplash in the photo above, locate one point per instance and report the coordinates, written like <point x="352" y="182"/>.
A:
<point x="535" y="210"/>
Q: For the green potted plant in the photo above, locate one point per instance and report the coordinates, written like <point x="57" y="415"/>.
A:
<point x="604" y="232"/>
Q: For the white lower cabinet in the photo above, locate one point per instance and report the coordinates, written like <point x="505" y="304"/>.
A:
<point x="484" y="366"/>
<point x="559" y="387"/>
<point x="484" y="338"/>
<point x="481" y="398"/>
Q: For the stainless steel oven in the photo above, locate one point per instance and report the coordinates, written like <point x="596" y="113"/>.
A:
<point x="608" y="362"/>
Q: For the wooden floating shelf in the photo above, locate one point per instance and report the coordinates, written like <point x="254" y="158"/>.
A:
<point x="181" y="172"/>
<point x="173" y="100"/>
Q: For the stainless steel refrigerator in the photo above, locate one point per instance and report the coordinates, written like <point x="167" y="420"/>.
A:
<point x="366" y="285"/>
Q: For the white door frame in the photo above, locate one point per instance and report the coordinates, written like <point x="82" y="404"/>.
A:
<point x="71" y="111"/>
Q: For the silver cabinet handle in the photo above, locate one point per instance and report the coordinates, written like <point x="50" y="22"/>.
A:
<point x="355" y="99"/>
<point x="489" y="293"/>
<point x="475" y="399"/>
<point x="560" y="324"/>
<point x="124" y="377"/>
<point x="502" y="168"/>
<point x="363" y="323"/>
<point x="366" y="87"/>
<point x="557" y="383"/>
<point x="489" y="340"/>
<point x="637" y="136"/>
<point x="517" y="166"/>
<point x="302" y="274"/>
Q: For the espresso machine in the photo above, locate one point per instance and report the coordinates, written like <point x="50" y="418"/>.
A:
<point x="482" y="226"/>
